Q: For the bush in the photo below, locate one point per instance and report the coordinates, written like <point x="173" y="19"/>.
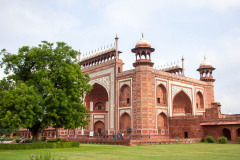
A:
<point x="238" y="139"/>
<point x="222" y="140"/>
<point x="9" y="139"/>
<point x="209" y="139"/>
<point x="19" y="146"/>
<point x="18" y="140"/>
<point x="59" y="139"/>
<point x="45" y="156"/>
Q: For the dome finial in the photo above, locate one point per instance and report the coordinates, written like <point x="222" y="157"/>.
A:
<point x="142" y="35"/>
<point x="204" y="57"/>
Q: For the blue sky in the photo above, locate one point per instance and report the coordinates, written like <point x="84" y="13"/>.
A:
<point x="175" y="28"/>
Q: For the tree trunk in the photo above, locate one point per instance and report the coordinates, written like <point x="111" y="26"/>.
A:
<point x="37" y="133"/>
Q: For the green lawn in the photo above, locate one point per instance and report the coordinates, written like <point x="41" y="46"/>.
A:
<point x="167" y="151"/>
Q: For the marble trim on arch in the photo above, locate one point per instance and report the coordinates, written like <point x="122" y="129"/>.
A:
<point x="162" y="110"/>
<point x="199" y="90"/>
<point x="104" y="81"/>
<point x="124" y="83"/>
<point x="97" y="119"/>
<point x="123" y="111"/>
<point x="176" y="89"/>
<point x="158" y="111"/>
<point x="110" y="84"/>
<point x="161" y="82"/>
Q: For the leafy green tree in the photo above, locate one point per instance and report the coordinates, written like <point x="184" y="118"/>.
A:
<point x="44" y="86"/>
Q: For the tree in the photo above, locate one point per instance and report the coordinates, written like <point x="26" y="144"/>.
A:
<point x="44" y="86"/>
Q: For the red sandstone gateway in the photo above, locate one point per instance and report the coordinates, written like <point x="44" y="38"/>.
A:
<point x="161" y="102"/>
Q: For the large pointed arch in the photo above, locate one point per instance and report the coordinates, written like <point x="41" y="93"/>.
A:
<point x="98" y="97"/>
<point x="182" y="104"/>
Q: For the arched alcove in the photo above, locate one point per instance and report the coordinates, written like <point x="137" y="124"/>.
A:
<point x="99" y="127"/>
<point x="161" y="95"/>
<point x="162" y="123"/>
<point x="125" y="96"/>
<point x="199" y="100"/>
<point x="124" y="123"/>
<point x="227" y="133"/>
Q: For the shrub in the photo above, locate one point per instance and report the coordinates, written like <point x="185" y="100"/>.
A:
<point x="45" y="156"/>
<point x="18" y="146"/>
<point x="59" y="139"/>
<point x="209" y="139"/>
<point x="222" y="140"/>
<point x="9" y="139"/>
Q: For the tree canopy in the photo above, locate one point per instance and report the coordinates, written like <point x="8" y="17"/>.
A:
<point x="44" y="86"/>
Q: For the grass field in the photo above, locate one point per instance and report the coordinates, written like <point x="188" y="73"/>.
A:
<point x="170" y="151"/>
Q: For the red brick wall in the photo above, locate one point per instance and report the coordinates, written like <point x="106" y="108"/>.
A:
<point x="144" y="101"/>
<point x="217" y="131"/>
<point x="209" y="95"/>
<point x="190" y="124"/>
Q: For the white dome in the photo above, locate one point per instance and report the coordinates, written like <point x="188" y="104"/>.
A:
<point x="142" y="41"/>
<point x="205" y="63"/>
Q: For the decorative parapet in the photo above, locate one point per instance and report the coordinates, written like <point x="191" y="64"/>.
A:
<point x="90" y="68"/>
<point x="126" y="73"/>
<point x="170" y="75"/>
<point x="98" y="53"/>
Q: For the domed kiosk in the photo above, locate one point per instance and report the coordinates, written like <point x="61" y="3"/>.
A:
<point x="143" y="52"/>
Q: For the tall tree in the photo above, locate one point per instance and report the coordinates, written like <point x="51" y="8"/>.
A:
<point x="44" y="86"/>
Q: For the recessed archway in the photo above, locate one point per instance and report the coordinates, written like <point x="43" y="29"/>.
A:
<point x="182" y="104"/>
<point x="125" y="96"/>
<point x="98" y="96"/>
<point x="238" y="132"/>
<point x="227" y="133"/>
<point x="99" y="128"/>
<point x="161" y="95"/>
<point x="162" y="123"/>
<point x="124" y="123"/>
<point x="199" y="100"/>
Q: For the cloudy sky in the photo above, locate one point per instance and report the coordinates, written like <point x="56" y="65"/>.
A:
<point x="175" y="28"/>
